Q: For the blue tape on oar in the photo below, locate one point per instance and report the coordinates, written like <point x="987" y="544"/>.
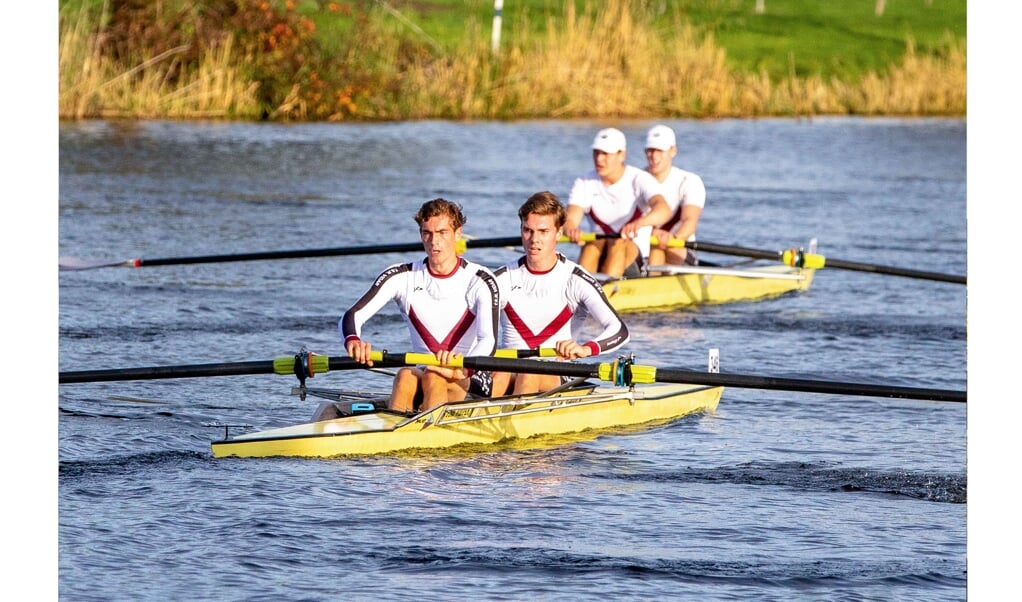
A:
<point x="362" y="407"/>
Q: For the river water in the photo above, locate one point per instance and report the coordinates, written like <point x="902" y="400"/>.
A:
<point x="776" y="496"/>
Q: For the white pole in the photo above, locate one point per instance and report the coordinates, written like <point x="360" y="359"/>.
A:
<point x="498" y="8"/>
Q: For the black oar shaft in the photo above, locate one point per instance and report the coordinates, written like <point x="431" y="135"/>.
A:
<point x="606" y="371"/>
<point x="157" y="372"/>
<point x="710" y="247"/>
<point x="893" y="271"/>
<point x="808" y="386"/>
<point x="322" y="252"/>
<point x="278" y="366"/>
<point x="482" y="243"/>
<point x="502" y="242"/>
<point x="674" y="375"/>
<point x="290" y="254"/>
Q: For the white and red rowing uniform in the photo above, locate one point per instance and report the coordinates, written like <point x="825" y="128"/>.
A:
<point x="538" y="309"/>
<point x="682" y="188"/>
<point x="611" y="207"/>
<point x="456" y="311"/>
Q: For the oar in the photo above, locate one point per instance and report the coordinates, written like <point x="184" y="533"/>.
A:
<point x="792" y="257"/>
<point x="797" y="258"/>
<point x="282" y="365"/>
<point x="75" y="263"/>
<point x="305" y="363"/>
<point x="620" y="372"/>
<point x="72" y="263"/>
<point x="626" y="373"/>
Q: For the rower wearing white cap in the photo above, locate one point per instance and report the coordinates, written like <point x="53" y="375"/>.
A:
<point x="685" y="194"/>
<point x="618" y="199"/>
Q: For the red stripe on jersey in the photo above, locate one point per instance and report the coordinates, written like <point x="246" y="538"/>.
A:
<point x="452" y="338"/>
<point x="535" y="340"/>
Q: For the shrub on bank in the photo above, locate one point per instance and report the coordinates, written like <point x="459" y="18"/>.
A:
<point x="257" y="59"/>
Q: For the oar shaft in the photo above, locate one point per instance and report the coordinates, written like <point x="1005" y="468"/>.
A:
<point x="282" y="365"/>
<point x="158" y="372"/>
<point x="894" y="271"/>
<point x="808" y="386"/>
<point x="635" y="373"/>
<point x="710" y="247"/>
<point x="621" y="372"/>
<point x="811" y="260"/>
<point x="290" y="254"/>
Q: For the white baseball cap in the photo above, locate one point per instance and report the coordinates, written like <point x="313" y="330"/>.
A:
<point x="660" y="137"/>
<point x="609" y="140"/>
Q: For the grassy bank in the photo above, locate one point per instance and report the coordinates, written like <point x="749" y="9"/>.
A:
<point x="375" y="60"/>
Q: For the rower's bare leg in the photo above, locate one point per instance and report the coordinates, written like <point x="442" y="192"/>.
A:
<point x="534" y="383"/>
<point x="437" y="389"/>
<point x="620" y="254"/>
<point x="657" y="256"/>
<point x="502" y="382"/>
<point x="457" y="390"/>
<point x="589" y="256"/>
<point x="674" y="256"/>
<point x="406" y="384"/>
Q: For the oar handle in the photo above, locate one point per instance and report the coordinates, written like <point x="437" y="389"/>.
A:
<point x="429" y="359"/>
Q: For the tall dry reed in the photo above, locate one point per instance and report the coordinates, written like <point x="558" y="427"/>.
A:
<point x="94" y="85"/>
<point x="604" y="61"/>
<point x="612" y="59"/>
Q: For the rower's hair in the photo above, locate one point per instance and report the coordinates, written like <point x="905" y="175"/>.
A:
<point x="544" y="203"/>
<point x="438" y="207"/>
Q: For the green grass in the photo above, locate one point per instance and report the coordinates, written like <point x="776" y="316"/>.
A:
<point x="826" y="38"/>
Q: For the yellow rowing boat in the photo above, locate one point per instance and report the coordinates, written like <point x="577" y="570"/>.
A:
<point x="682" y="286"/>
<point x="357" y="427"/>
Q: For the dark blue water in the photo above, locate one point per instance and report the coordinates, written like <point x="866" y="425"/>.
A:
<point x="778" y="495"/>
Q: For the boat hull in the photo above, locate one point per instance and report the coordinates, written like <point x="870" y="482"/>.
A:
<point x="706" y="286"/>
<point x="476" y="422"/>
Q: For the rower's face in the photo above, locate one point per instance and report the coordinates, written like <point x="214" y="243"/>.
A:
<point x="659" y="161"/>
<point x="608" y="165"/>
<point x="439" y="237"/>
<point x="539" y="236"/>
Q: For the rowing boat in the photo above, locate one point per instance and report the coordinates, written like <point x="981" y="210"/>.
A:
<point x="682" y="286"/>
<point x="360" y="426"/>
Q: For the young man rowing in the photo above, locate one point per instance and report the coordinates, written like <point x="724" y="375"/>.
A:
<point x="545" y="298"/>
<point x="618" y="199"/>
<point x="449" y="304"/>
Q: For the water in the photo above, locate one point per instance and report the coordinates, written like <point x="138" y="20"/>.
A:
<point x="778" y="495"/>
